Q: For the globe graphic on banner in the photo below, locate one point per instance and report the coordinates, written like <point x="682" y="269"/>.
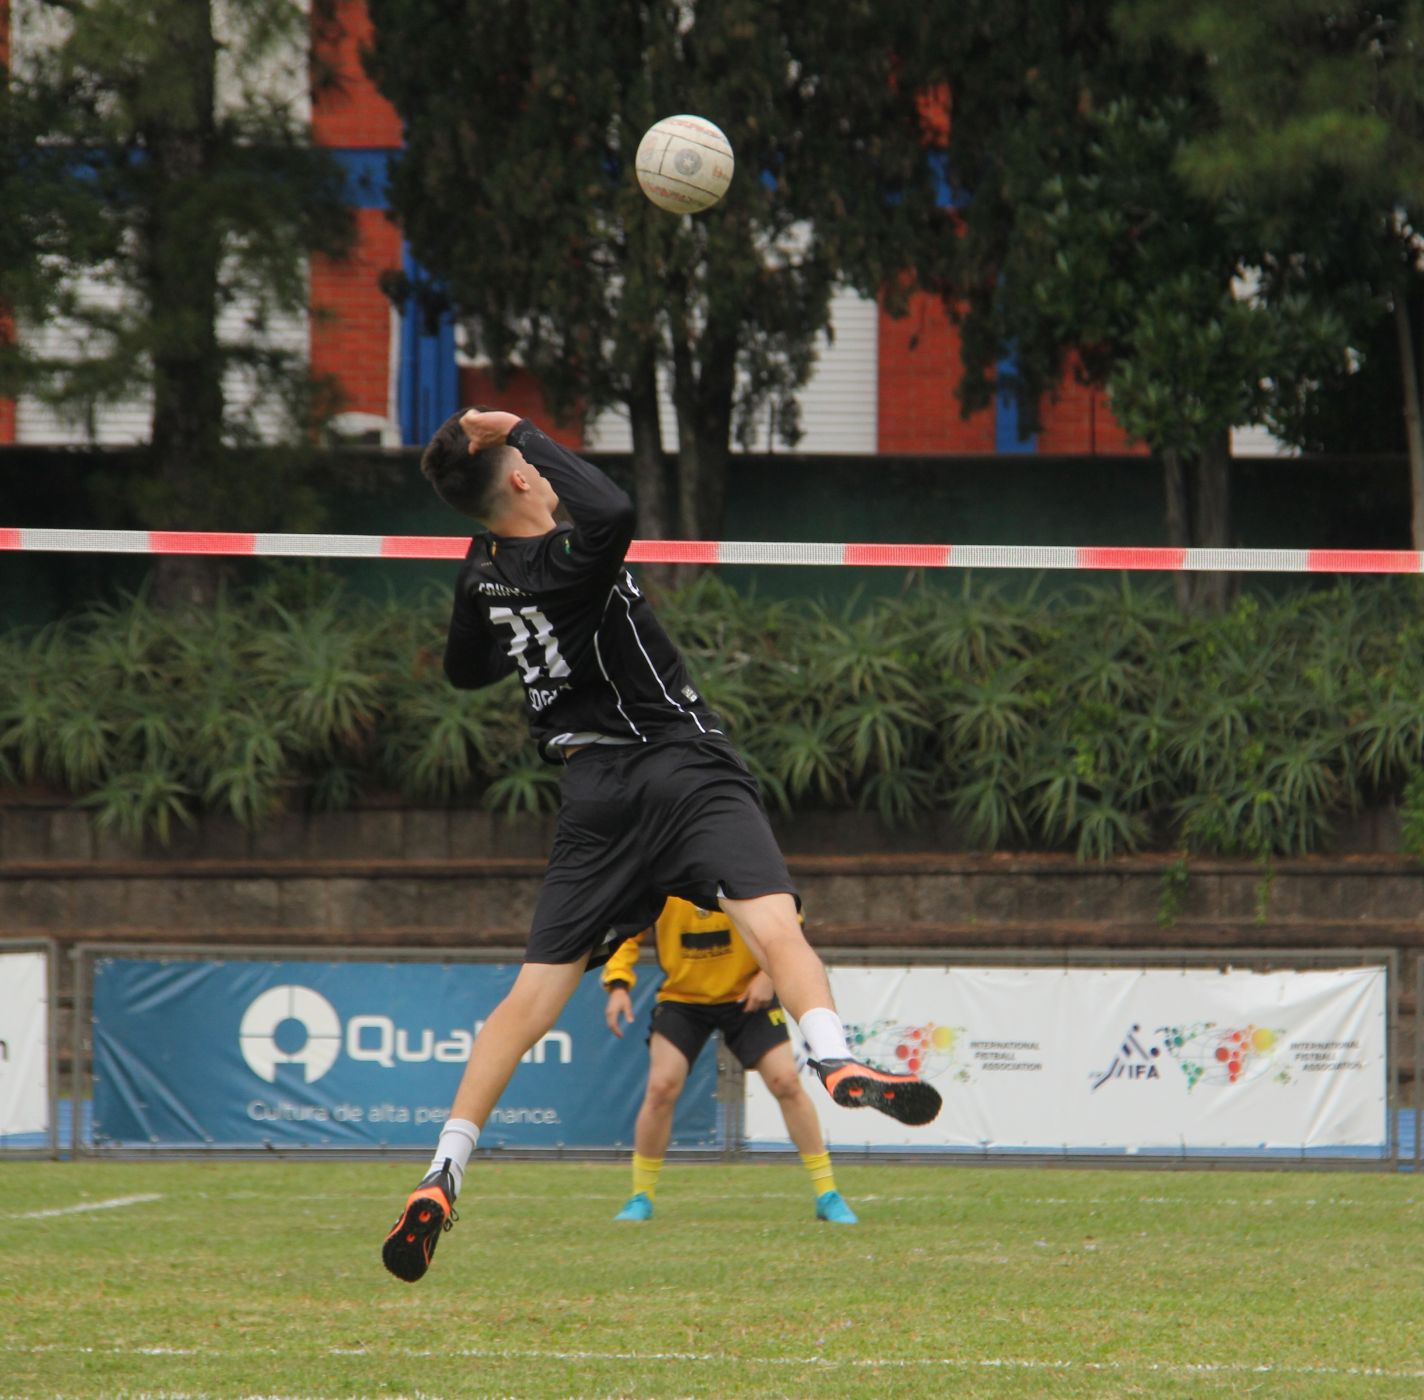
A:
<point x="926" y="1049"/>
<point x="1224" y="1056"/>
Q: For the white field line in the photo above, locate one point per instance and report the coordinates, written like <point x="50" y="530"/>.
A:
<point x="207" y="1395"/>
<point x="965" y="1364"/>
<point x="473" y="1196"/>
<point x="116" y="1203"/>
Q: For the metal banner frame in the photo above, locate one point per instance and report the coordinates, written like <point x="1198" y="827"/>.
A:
<point x="86" y="954"/>
<point x="1405" y="1145"/>
<point x="47" y="946"/>
<point x="1398" y="1153"/>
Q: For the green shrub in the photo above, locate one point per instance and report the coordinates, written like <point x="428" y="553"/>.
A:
<point x="1098" y="723"/>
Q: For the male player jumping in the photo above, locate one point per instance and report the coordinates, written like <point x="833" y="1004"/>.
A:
<point x="655" y="801"/>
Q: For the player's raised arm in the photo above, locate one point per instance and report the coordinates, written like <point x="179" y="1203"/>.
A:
<point x="501" y="470"/>
<point x="603" y="513"/>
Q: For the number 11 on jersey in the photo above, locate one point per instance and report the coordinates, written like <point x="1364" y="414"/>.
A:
<point x="529" y="625"/>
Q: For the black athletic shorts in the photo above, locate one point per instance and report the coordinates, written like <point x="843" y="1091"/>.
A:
<point x="640" y="822"/>
<point x="748" y="1034"/>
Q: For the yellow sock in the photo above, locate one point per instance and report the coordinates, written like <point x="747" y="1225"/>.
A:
<point x="822" y="1178"/>
<point x="645" y="1175"/>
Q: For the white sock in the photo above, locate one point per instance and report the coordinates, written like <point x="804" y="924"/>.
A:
<point x="825" y="1036"/>
<point x="457" y="1140"/>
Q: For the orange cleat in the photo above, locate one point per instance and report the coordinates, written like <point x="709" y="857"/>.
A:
<point x="410" y="1246"/>
<point x="900" y="1096"/>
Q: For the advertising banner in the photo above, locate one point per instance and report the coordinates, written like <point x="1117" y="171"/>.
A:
<point x="1112" y="1058"/>
<point x="24" y="1044"/>
<point x="355" y="1055"/>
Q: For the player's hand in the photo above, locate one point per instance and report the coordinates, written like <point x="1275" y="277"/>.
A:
<point x="619" y="1011"/>
<point x="758" y="994"/>
<point x="486" y="427"/>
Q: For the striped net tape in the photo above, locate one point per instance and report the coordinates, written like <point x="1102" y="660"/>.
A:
<point x="898" y="556"/>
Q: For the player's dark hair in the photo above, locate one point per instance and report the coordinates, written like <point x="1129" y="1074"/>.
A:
<point x="468" y="481"/>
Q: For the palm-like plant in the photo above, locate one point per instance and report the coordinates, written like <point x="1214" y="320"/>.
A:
<point x="441" y="743"/>
<point x="527" y="786"/>
<point x="142" y="802"/>
<point x="988" y="800"/>
<point x="1094" y="722"/>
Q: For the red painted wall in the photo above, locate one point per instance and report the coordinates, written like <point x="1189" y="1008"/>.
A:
<point x="521" y="395"/>
<point x="349" y="111"/>
<point x="919" y="368"/>
<point x="1076" y="419"/>
<point x="7" y="406"/>
<point x="351" y="315"/>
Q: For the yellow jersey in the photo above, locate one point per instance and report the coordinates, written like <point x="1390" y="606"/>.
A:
<point x="703" y="958"/>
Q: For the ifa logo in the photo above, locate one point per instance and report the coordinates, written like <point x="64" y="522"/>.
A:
<point x="1135" y="1060"/>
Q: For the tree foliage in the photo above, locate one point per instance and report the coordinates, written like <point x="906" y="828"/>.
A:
<point x="517" y="193"/>
<point x="159" y="149"/>
<point x="1085" y="247"/>
<point x="1099" y="722"/>
<point x="1320" y="107"/>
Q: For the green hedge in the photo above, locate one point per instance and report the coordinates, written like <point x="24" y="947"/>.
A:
<point x="1100" y="723"/>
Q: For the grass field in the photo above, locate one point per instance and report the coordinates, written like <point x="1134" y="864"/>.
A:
<point x="243" y="1279"/>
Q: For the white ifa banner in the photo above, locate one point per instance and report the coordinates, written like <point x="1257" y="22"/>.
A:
<point x="1092" y="1058"/>
<point x="24" y="1044"/>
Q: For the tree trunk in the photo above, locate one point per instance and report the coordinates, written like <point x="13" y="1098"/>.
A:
<point x="1174" y="487"/>
<point x="1198" y="516"/>
<point x="650" y="468"/>
<point x="182" y="262"/>
<point x="1413" y="422"/>
<point x="689" y="462"/>
<point x="1212" y="520"/>
<point x="703" y="389"/>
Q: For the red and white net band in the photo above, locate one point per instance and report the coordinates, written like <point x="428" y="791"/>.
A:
<point x="898" y="556"/>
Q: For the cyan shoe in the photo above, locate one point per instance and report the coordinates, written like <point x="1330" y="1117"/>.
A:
<point x="639" y="1207"/>
<point x="831" y="1205"/>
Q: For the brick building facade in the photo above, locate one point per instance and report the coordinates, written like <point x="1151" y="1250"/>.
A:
<point x="884" y="384"/>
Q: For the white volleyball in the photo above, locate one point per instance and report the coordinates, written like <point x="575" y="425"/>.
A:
<point x="684" y="164"/>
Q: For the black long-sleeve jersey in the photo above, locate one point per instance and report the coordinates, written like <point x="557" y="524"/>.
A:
<point x="563" y="611"/>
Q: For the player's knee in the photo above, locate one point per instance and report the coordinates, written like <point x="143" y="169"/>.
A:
<point x="777" y="933"/>
<point x="533" y="1016"/>
<point x="663" y="1093"/>
<point x="783" y="1084"/>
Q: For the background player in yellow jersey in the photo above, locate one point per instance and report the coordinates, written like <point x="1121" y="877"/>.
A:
<point x="711" y="982"/>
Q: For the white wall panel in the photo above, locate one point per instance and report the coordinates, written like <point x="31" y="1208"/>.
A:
<point x="130" y="421"/>
<point x="1258" y="442"/>
<point x="838" y="404"/>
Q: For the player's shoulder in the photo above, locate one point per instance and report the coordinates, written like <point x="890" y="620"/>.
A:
<point x="527" y="564"/>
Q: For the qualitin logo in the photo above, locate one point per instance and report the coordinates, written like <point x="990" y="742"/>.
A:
<point x="293" y="1025"/>
<point x="290" y="1026"/>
